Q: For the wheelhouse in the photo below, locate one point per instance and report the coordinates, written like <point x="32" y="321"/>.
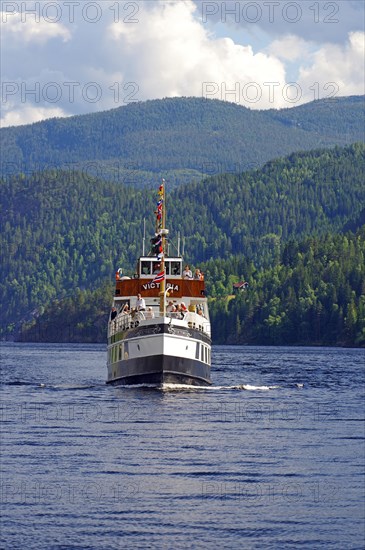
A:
<point x="149" y="266"/>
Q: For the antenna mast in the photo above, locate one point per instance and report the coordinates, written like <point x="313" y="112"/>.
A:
<point x="144" y="236"/>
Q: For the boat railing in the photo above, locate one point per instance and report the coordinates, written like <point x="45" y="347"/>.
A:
<point x="126" y="321"/>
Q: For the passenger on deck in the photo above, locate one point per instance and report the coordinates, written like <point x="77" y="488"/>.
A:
<point x="140" y="303"/>
<point x="113" y="313"/>
<point x="184" y="309"/>
<point x="187" y="274"/>
<point x="172" y="311"/>
<point x="198" y="276"/>
<point x="170" y="306"/>
<point x="125" y="310"/>
<point x="180" y="312"/>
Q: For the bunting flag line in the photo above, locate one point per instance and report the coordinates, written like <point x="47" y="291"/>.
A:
<point x="160" y="207"/>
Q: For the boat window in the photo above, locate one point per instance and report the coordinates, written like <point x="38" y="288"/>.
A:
<point x="156" y="267"/>
<point x="167" y="267"/>
<point x="197" y="350"/>
<point x="175" y="268"/>
<point x="202" y="354"/>
<point x="146" y="268"/>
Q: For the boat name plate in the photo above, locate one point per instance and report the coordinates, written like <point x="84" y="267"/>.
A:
<point x="169" y="286"/>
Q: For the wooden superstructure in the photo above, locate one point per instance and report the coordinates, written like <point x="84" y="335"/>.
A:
<point x="175" y="285"/>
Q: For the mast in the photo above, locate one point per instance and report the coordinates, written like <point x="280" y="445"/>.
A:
<point x="162" y="231"/>
<point x="144" y="236"/>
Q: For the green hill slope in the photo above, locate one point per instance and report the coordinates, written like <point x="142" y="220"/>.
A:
<point x="251" y="213"/>
<point x="63" y="231"/>
<point x="313" y="295"/>
<point x="181" y="138"/>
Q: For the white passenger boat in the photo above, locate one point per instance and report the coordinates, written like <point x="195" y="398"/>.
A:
<point x="162" y="336"/>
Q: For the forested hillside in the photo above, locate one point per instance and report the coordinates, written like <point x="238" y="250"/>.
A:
<point x="250" y="213"/>
<point x="65" y="230"/>
<point x="314" y="294"/>
<point x="179" y="139"/>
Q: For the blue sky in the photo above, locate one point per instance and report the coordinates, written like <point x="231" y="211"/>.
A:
<point x="61" y="58"/>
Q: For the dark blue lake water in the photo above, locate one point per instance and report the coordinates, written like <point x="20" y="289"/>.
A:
<point x="279" y="464"/>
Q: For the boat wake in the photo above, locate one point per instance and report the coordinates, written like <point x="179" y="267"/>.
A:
<point x="159" y="387"/>
<point x="188" y="387"/>
<point x="247" y="387"/>
<point x="71" y="386"/>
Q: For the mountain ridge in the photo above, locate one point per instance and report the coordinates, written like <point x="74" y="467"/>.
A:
<point x="184" y="138"/>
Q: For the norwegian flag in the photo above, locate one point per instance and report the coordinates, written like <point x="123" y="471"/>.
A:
<point x="159" y="277"/>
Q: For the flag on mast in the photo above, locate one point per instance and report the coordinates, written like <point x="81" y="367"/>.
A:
<point x="159" y="277"/>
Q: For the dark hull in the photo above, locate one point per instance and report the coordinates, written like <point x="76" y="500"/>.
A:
<point x="162" y="369"/>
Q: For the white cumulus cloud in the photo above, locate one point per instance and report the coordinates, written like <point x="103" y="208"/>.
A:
<point x="290" y="48"/>
<point x="163" y="49"/>
<point x="174" y="55"/>
<point x="28" y="114"/>
<point x="338" y="69"/>
<point x="30" y="29"/>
